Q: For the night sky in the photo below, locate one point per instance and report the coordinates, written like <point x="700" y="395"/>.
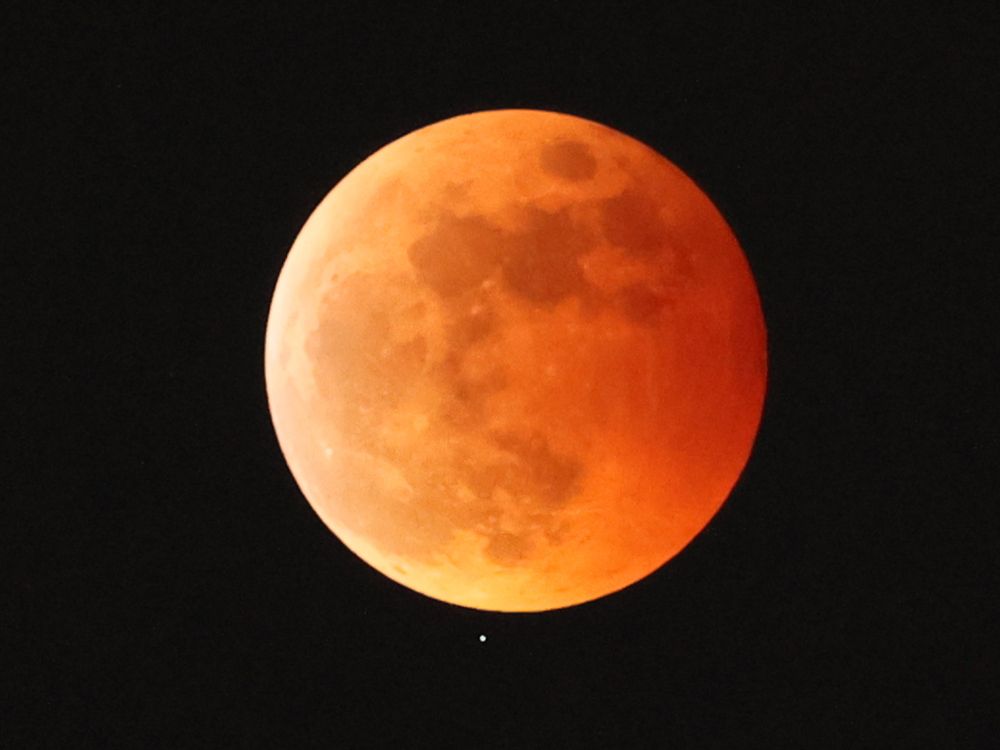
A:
<point x="167" y="585"/>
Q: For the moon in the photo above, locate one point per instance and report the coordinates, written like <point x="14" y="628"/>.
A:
<point x="516" y="360"/>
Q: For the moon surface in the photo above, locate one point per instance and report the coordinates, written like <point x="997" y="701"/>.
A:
<point x="516" y="360"/>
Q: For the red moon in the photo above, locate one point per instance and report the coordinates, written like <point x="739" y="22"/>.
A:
<point x="516" y="360"/>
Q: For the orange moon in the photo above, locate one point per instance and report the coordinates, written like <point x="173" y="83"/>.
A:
<point x="516" y="360"/>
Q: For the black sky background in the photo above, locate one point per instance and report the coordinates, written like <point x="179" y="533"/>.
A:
<point x="166" y="584"/>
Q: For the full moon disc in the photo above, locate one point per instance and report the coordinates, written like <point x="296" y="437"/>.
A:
<point x="516" y="360"/>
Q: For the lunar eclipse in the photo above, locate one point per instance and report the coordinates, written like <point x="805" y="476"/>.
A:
<point x="516" y="360"/>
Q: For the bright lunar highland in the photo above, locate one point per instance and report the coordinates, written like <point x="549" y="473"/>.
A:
<point x="516" y="360"/>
